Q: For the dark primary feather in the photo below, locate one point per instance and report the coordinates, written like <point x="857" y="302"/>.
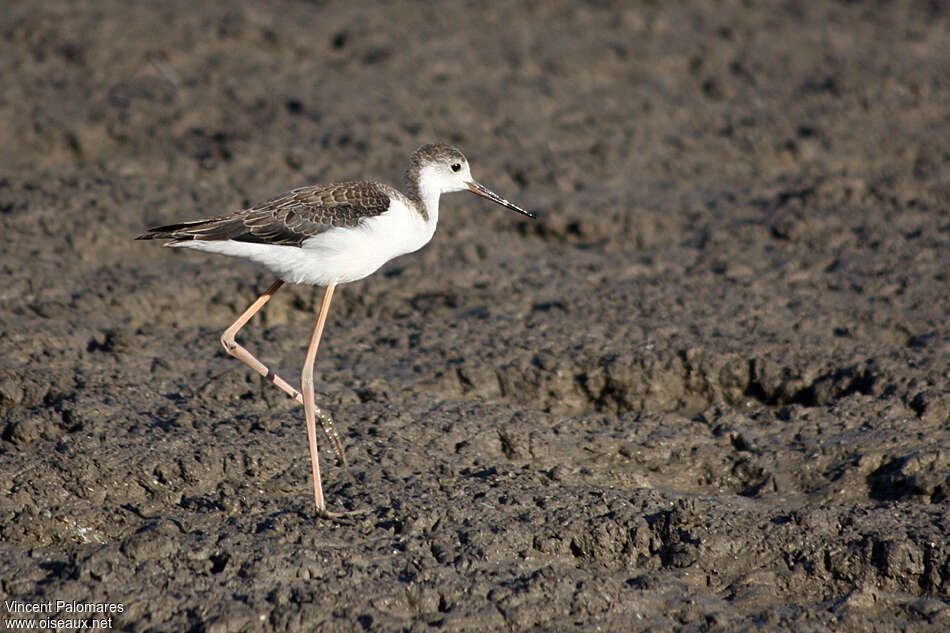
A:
<point x="286" y="220"/>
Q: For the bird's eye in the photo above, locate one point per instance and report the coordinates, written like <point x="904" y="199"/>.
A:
<point x="456" y="166"/>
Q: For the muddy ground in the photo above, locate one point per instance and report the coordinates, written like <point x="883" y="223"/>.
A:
<point x="708" y="390"/>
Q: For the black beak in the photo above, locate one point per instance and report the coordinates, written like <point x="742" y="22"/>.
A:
<point x="485" y="192"/>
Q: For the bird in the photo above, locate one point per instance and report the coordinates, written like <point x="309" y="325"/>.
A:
<point x="327" y="235"/>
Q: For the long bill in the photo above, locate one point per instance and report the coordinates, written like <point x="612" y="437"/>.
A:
<point x="485" y="192"/>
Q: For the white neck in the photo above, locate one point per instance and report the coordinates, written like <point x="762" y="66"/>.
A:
<point x="429" y="193"/>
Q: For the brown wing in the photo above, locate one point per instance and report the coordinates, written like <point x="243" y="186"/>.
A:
<point x="288" y="219"/>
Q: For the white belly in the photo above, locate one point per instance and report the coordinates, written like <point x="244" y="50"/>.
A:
<point x="338" y="256"/>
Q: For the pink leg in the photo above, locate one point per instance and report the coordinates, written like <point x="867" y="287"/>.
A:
<point x="233" y="348"/>
<point x="306" y="385"/>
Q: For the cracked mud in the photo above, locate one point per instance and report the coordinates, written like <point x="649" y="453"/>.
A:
<point x="709" y="390"/>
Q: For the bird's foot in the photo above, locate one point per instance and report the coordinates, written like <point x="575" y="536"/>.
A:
<point x="345" y="518"/>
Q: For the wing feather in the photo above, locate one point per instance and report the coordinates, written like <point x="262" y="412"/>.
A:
<point x="287" y="219"/>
